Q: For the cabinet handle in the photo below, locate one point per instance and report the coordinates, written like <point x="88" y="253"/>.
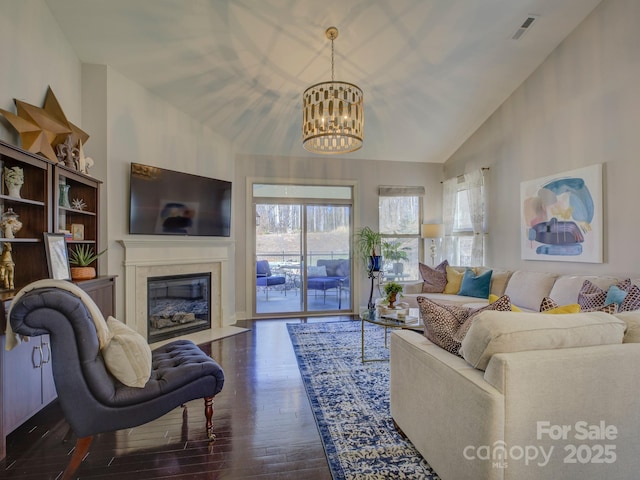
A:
<point x="48" y="350"/>
<point x="33" y="357"/>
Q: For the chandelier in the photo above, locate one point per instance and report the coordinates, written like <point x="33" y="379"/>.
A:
<point x="332" y="113"/>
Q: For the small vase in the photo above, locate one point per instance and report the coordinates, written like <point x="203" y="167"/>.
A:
<point x="392" y="299"/>
<point x="64" y="196"/>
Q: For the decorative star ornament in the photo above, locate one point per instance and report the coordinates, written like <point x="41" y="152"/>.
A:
<point x="42" y="129"/>
<point x="34" y="139"/>
<point x="53" y="108"/>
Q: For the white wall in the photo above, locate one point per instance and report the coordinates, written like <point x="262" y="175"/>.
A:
<point x="140" y="127"/>
<point x="580" y="107"/>
<point x="35" y="54"/>
<point x="126" y="122"/>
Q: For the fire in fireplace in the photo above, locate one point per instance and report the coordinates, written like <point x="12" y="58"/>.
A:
<point x="177" y="305"/>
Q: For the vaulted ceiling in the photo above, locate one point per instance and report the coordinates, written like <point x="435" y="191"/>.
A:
<point x="431" y="70"/>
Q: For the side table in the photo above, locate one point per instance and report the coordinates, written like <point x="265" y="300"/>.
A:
<point x="413" y="322"/>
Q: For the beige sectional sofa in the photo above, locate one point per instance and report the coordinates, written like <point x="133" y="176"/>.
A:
<point x="526" y="289"/>
<point x="553" y="397"/>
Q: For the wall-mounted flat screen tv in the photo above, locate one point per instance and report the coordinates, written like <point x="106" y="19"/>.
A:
<point x="166" y="202"/>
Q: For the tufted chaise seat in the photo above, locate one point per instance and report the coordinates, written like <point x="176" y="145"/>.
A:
<point x="94" y="401"/>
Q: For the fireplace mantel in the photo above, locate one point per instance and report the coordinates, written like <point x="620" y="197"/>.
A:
<point x="147" y="257"/>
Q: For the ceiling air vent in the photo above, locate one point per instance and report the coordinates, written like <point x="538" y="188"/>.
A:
<point x="525" y="27"/>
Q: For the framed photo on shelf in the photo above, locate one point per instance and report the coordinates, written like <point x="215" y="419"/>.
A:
<point x="55" y="247"/>
<point x="77" y="231"/>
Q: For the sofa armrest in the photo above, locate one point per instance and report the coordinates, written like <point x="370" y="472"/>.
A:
<point x="443" y="405"/>
<point x="563" y="387"/>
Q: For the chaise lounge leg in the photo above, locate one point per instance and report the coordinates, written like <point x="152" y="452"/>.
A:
<point x="81" y="449"/>
<point x="208" y="413"/>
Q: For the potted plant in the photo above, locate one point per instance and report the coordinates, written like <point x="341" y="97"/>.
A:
<point x="392" y="289"/>
<point x="81" y="259"/>
<point x="366" y="242"/>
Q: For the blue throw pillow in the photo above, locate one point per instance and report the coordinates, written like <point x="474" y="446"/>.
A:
<point x="615" y="295"/>
<point x="475" y="285"/>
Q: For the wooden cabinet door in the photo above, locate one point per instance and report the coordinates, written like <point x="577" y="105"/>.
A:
<point x="22" y="383"/>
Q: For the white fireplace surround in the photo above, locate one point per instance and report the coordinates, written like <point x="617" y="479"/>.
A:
<point x="146" y="258"/>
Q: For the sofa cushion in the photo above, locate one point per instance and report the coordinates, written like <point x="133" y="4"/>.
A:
<point x="454" y="279"/>
<point x="592" y="297"/>
<point x="632" y="319"/>
<point x="433" y="279"/>
<point x="499" y="281"/>
<point x="473" y="285"/>
<point x="441" y="322"/>
<point x="566" y="287"/>
<point x="503" y="304"/>
<point x="527" y="289"/>
<point x="504" y="332"/>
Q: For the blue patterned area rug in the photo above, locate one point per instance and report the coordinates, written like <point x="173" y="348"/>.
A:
<point x="350" y="401"/>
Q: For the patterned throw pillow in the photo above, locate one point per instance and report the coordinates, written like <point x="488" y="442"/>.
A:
<point x="441" y="322"/>
<point x="433" y="279"/>
<point x="503" y="304"/>
<point x="592" y="298"/>
<point x="631" y="300"/>
<point x="548" y="305"/>
<point x="494" y="298"/>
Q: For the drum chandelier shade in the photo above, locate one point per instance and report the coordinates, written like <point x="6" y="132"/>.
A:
<point x="332" y="113"/>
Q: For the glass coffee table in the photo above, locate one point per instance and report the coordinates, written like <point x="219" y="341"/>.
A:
<point x="411" y="322"/>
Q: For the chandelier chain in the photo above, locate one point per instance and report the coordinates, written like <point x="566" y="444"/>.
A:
<point x="332" y="52"/>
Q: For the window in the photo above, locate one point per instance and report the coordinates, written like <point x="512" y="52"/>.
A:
<point x="464" y="218"/>
<point x="399" y="214"/>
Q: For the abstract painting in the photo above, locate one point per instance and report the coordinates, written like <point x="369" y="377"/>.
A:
<point x="561" y="216"/>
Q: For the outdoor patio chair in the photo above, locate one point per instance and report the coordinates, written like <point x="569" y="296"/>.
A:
<point x="264" y="277"/>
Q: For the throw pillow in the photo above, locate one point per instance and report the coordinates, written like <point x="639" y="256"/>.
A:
<point x="493" y="298"/>
<point x="591" y="297"/>
<point x="550" y="306"/>
<point x="441" y="322"/>
<point x="631" y="300"/>
<point x="503" y="304"/>
<point x="317" y="271"/>
<point x="433" y="279"/>
<point x="473" y="285"/>
<point x="454" y="279"/>
<point x="615" y="295"/>
<point x="127" y="356"/>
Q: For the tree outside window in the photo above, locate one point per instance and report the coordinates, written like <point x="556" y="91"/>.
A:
<point x="399" y="226"/>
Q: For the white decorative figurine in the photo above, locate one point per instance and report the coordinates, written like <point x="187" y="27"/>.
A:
<point x="13" y="179"/>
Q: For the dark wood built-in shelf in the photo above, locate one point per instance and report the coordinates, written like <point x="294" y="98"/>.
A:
<point x="39" y="212"/>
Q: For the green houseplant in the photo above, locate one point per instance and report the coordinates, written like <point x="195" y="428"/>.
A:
<point x="367" y="241"/>
<point x="392" y="289"/>
<point x="394" y="251"/>
<point x="80" y="259"/>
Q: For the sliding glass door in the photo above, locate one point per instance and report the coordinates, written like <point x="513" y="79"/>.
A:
<point x="302" y="256"/>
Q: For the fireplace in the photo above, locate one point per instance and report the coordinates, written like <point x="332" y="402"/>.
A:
<point x="178" y="304"/>
<point x="149" y="258"/>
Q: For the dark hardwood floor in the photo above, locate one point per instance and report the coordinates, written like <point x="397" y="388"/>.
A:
<point x="263" y="422"/>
